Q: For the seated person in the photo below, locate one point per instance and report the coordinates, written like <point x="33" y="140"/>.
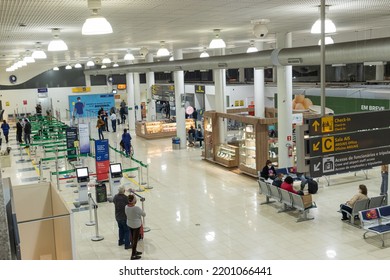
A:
<point x="362" y="194"/>
<point x="199" y="135"/>
<point x="288" y="185"/>
<point x="268" y="171"/>
<point x="191" y="136"/>
<point x="278" y="180"/>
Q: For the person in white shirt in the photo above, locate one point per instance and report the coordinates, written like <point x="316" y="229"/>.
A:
<point x="113" y="121"/>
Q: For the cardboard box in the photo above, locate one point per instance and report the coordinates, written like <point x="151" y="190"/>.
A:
<point x="307" y="200"/>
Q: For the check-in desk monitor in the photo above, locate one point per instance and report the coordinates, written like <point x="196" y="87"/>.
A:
<point x="116" y="170"/>
<point x="82" y="174"/>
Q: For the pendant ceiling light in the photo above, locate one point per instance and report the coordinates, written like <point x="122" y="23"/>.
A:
<point x="328" y="41"/>
<point x="96" y="24"/>
<point x="90" y="63"/>
<point x="68" y="67"/>
<point x="162" y="51"/>
<point x="78" y="65"/>
<point x="56" y="44"/>
<point x="252" y="47"/>
<point x="103" y="66"/>
<point x="172" y="58"/>
<point x="115" y="65"/>
<point x="106" y="60"/>
<point x="204" y="54"/>
<point x="38" y="53"/>
<point x="330" y="27"/>
<point x="129" y="56"/>
<point x="217" y="43"/>
<point x="55" y="68"/>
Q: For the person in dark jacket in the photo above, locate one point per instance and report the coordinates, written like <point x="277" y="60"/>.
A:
<point x="268" y="171"/>
<point x="126" y="139"/>
<point x="19" y="131"/>
<point x="5" y="128"/>
<point x="120" y="201"/>
<point x="27" y="132"/>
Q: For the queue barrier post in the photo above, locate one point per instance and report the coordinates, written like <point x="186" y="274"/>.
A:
<point x="97" y="237"/>
<point x="139" y="181"/>
<point x="91" y="221"/>
<point x="148" y="186"/>
<point x="142" y="199"/>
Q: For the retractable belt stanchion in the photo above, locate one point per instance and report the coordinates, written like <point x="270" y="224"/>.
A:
<point x="21" y="152"/>
<point x="148" y="186"/>
<point x="58" y="176"/>
<point x="142" y="182"/>
<point x="142" y="199"/>
<point x="91" y="221"/>
<point x="40" y="171"/>
<point x="97" y="237"/>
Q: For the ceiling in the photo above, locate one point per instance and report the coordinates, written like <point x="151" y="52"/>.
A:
<point x="182" y="24"/>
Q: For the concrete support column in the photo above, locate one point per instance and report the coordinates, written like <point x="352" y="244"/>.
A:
<point x="130" y="100"/>
<point x="179" y="105"/>
<point x="241" y="75"/>
<point x="220" y="97"/>
<point x="258" y="77"/>
<point x="87" y="80"/>
<point x="284" y="84"/>
<point x="150" y="103"/>
<point x="137" y="97"/>
<point x="380" y="72"/>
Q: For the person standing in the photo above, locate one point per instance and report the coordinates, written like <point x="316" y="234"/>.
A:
<point x="19" y="131"/>
<point x="126" y="139"/>
<point x="27" y="132"/>
<point x="5" y="128"/>
<point x="385" y="181"/>
<point x="113" y="121"/>
<point x="134" y="216"/>
<point x="78" y="110"/>
<point x="122" y="111"/>
<point x="100" y="125"/>
<point x="120" y="201"/>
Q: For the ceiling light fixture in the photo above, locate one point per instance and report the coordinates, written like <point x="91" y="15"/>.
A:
<point x="56" y="44"/>
<point x="217" y="43"/>
<point x="328" y="41"/>
<point x="172" y="58"/>
<point x="330" y="27"/>
<point x="115" y="65"/>
<point x="38" y="53"/>
<point x="78" y="65"/>
<point x="162" y="51"/>
<point x="106" y="60"/>
<point x="103" y="66"/>
<point x="68" y="67"/>
<point x="55" y="68"/>
<point x="252" y="47"/>
<point x="90" y="63"/>
<point x="129" y="56"/>
<point x="96" y="24"/>
<point x="28" y="58"/>
<point x="204" y="54"/>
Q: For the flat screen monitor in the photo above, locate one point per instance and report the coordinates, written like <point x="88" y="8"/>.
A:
<point x="82" y="174"/>
<point x="116" y="170"/>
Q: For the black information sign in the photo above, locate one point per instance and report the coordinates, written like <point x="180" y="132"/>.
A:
<point x="200" y="89"/>
<point x="347" y="142"/>
<point x="349" y="122"/>
<point x="341" y="163"/>
<point x="71" y="137"/>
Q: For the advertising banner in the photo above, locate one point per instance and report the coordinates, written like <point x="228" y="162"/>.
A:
<point x="71" y="137"/>
<point x="102" y="159"/>
<point x="85" y="147"/>
<point x="91" y="103"/>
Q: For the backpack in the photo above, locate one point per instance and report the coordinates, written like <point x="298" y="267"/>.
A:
<point x="312" y="186"/>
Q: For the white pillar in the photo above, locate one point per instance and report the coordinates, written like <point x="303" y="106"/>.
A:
<point x="137" y="96"/>
<point x="241" y="75"/>
<point x="151" y="105"/>
<point x="130" y="100"/>
<point x="284" y="84"/>
<point x="380" y="72"/>
<point x="87" y="80"/>
<point x="180" y="110"/>
<point x="220" y="97"/>
<point x="258" y="77"/>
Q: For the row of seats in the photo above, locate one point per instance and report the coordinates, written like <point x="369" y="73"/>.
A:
<point x="287" y="199"/>
<point x="376" y="220"/>
<point x="364" y="204"/>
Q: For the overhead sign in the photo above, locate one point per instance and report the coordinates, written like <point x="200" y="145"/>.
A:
<point x="200" y="89"/>
<point x="347" y="162"/>
<point x="42" y="90"/>
<point x="348" y="142"/>
<point x="349" y="122"/>
<point x="121" y="86"/>
<point x="81" y="89"/>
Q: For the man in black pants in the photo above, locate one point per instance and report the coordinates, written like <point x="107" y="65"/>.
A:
<point x="19" y="131"/>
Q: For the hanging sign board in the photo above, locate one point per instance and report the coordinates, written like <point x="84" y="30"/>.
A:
<point x="102" y="159"/>
<point x="200" y="89"/>
<point x="71" y="137"/>
<point x="85" y="147"/>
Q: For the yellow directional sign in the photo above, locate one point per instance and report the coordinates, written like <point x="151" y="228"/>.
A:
<point x="315" y="125"/>
<point x="327" y="144"/>
<point x="316" y="146"/>
<point x="327" y="124"/>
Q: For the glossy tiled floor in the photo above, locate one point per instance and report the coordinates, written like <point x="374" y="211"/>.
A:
<point x="200" y="211"/>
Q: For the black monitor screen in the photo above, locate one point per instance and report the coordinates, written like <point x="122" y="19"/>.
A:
<point x="116" y="168"/>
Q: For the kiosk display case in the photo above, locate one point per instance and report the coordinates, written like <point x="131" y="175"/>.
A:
<point x="227" y="155"/>
<point x="160" y="129"/>
<point x="248" y="150"/>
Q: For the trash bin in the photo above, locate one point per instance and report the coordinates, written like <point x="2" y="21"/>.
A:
<point x="101" y="193"/>
<point x="176" y="143"/>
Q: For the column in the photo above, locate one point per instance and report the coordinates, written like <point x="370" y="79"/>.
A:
<point x="284" y="85"/>
<point x="150" y="103"/>
<point x="137" y="96"/>
<point x="259" y="93"/>
<point x="220" y="98"/>
<point x="130" y="100"/>
<point x="380" y="72"/>
<point x="179" y="105"/>
<point x="87" y="80"/>
<point x="241" y="75"/>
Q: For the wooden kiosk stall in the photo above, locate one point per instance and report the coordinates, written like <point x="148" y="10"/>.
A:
<point x="248" y="151"/>
<point x="159" y="129"/>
